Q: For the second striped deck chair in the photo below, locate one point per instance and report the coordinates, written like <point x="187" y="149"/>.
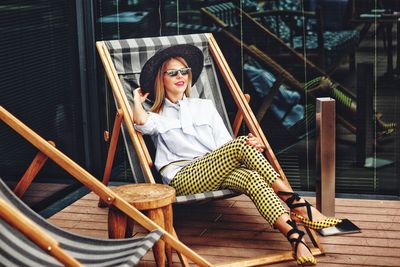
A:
<point x="27" y="239"/>
<point x="123" y="60"/>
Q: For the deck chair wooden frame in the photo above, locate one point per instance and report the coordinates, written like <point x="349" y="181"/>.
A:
<point x="99" y="188"/>
<point x="245" y="111"/>
<point x="30" y="174"/>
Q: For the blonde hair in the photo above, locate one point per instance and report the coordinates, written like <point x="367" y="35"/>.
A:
<point x="159" y="89"/>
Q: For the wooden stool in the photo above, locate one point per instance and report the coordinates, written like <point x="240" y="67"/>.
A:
<point x="154" y="200"/>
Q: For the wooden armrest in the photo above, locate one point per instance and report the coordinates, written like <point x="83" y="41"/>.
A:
<point x="30" y="174"/>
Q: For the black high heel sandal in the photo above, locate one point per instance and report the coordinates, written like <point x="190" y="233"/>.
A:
<point x="316" y="225"/>
<point x="301" y="261"/>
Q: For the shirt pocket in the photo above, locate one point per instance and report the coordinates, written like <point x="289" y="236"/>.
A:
<point x="204" y="130"/>
<point x="202" y="121"/>
<point x="171" y="134"/>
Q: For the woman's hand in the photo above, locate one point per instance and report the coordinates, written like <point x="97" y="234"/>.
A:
<point x="139" y="96"/>
<point x="140" y="116"/>
<point x="254" y="142"/>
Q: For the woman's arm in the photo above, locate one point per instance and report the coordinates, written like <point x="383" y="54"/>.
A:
<point x="140" y="116"/>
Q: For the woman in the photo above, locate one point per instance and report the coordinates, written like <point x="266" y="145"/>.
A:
<point x="195" y="152"/>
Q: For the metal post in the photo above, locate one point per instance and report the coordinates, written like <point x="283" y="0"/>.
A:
<point x="325" y="155"/>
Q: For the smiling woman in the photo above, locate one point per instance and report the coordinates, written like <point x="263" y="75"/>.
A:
<point x="196" y="154"/>
<point x="175" y="78"/>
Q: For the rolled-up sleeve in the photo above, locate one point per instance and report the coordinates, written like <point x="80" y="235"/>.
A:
<point x="150" y="127"/>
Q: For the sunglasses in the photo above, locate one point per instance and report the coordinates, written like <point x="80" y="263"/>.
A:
<point x="173" y="73"/>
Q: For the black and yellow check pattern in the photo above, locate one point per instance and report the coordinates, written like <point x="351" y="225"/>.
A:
<point x="236" y="166"/>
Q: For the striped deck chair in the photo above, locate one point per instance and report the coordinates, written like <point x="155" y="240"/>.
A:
<point x="106" y="194"/>
<point x="123" y="59"/>
<point x="126" y="58"/>
<point x="26" y="239"/>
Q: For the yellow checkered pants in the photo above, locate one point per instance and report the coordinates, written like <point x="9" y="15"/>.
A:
<point x="237" y="166"/>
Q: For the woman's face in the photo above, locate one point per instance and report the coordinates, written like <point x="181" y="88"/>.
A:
<point x="174" y="86"/>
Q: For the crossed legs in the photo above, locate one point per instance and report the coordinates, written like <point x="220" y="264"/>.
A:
<point x="242" y="168"/>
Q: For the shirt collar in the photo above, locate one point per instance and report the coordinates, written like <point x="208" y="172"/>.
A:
<point x="185" y="114"/>
<point x="176" y="105"/>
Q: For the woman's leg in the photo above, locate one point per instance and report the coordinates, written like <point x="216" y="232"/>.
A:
<point x="260" y="164"/>
<point x="254" y="186"/>
<point x="280" y="186"/>
<point x="208" y="173"/>
<point x="223" y="168"/>
<point x="270" y="207"/>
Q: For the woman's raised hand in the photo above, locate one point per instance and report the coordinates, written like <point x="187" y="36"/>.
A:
<point x="139" y="114"/>
<point x="138" y="95"/>
<point x="255" y="142"/>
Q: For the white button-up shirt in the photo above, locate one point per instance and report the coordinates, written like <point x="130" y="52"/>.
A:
<point x="186" y="130"/>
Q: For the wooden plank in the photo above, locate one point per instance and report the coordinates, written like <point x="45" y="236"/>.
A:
<point x="86" y="210"/>
<point x="38" y="192"/>
<point x="91" y="233"/>
<point x="85" y="217"/>
<point x="78" y="224"/>
<point x="360" y="259"/>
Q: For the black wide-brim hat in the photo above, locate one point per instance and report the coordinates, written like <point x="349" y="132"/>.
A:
<point x="192" y="55"/>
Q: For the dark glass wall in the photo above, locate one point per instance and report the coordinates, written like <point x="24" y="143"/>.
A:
<point x="48" y="80"/>
<point x="39" y="81"/>
<point x="295" y="147"/>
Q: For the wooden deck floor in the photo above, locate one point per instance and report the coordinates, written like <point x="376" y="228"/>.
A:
<point x="232" y="229"/>
<point x="37" y="193"/>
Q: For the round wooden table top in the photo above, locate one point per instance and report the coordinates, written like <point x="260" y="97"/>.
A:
<point x="146" y="196"/>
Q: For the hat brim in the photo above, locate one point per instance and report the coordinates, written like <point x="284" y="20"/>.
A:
<point x="192" y="55"/>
